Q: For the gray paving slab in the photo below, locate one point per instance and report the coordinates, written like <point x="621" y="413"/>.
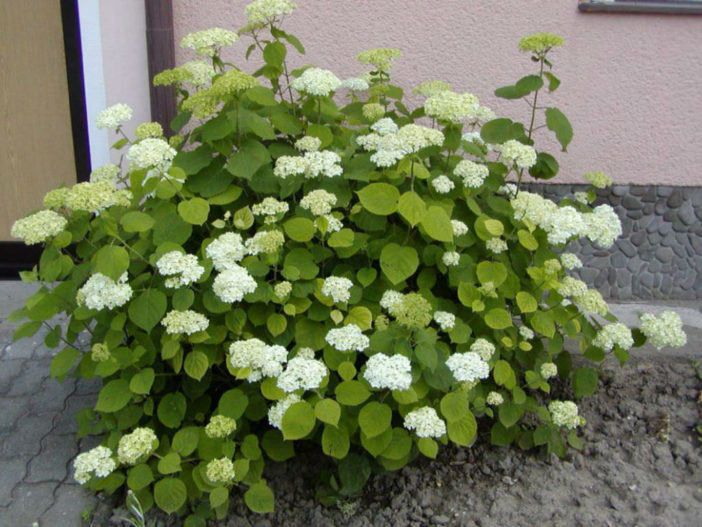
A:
<point x="37" y="417"/>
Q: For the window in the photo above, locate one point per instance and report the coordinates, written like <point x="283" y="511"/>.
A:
<point x="674" y="7"/>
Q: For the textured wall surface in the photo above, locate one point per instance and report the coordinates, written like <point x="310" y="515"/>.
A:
<point x="630" y="82"/>
<point x="659" y="254"/>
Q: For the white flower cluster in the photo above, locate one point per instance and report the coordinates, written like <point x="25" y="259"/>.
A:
<point x="391" y="372"/>
<point x="484" y="348"/>
<point x="316" y="81"/>
<point x="261" y="359"/>
<point x="271" y="208"/>
<point x="338" y="288"/>
<point x="442" y="184"/>
<point x="113" y="117"/>
<point x="548" y="370"/>
<point x="94" y="197"/>
<point x="151" y="153"/>
<point x="592" y="302"/>
<point x="104" y="173"/>
<point x="133" y="447"/>
<point x="318" y="202"/>
<point x="264" y="242"/>
<point x="260" y="13"/>
<point x="309" y="143"/>
<point x="385" y="126"/>
<point x="664" y="330"/>
<point x="496" y="245"/>
<point x="97" y="461"/>
<point x="220" y="470"/>
<point x="581" y="197"/>
<point x="232" y="284"/>
<point x="277" y="411"/>
<point x="601" y="226"/>
<point x="101" y="292"/>
<point x="468" y="367"/>
<point x="494" y="399"/>
<point x="354" y="84"/>
<point x="425" y="422"/>
<point x="390" y="299"/>
<point x="473" y="174"/>
<point x="459" y="228"/>
<point x="226" y="251"/>
<point x="38" y="227"/>
<point x="188" y="322"/>
<point x="208" y="41"/>
<point x="598" y="179"/>
<point x="311" y="164"/>
<point x="570" y="261"/>
<point x="449" y="106"/>
<point x="220" y="426"/>
<point x="347" y="338"/>
<point x="508" y="189"/>
<point x="445" y="320"/>
<point x="302" y="373"/>
<point x="282" y="289"/>
<point x="526" y="333"/>
<point x="333" y="224"/>
<point x="390" y="146"/>
<point x="611" y="335"/>
<point x="182" y="269"/>
<point x="512" y="151"/>
<point x="565" y="414"/>
<point x="199" y="72"/>
<point x="572" y="287"/>
<point x="451" y="258"/>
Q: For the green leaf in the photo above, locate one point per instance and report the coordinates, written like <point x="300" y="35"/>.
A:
<point x="560" y="125"/>
<point x="374" y="418"/>
<point x="142" y="381"/>
<point x="398" y="263"/>
<point x="233" y="403"/>
<point x="463" y="432"/>
<point x="584" y="382"/>
<point x="171" y="228"/>
<point x="194" y="160"/>
<point x="218" y="497"/>
<point x="328" y="411"/>
<point x="111" y="261"/>
<point x="170" y="494"/>
<point x="298" y="421"/>
<point x="246" y="162"/>
<point x="494" y="272"/>
<point x="259" y="498"/>
<point x="285" y="122"/>
<point x="62" y="363"/>
<point x="351" y="393"/>
<point x="335" y="442"/>
<point x="546" y="166"/>
<point x="527" y="240"/>
<point x="454" y="405"/>
<point x="354" y="471"/>
<point x="276" y="324"/>
<point x="169" y="464"/>
<point x="139" y="476"/>
<point x="510" y="413"/>
<point x="113" y="396"/>
<point x="428" y="447"/>
<point x="500" y="130"/>
<point x="255" y="123"/>
<point x="243" y="218"/>
<point x="366" y="276"/>
<point x="437" y="224"/>
<point x="261" y="95"/>
<point x="185" y="440"/>
<point x="498" y="318"/>
<point x="542" y="322"/>
<point x="504" y="374"/>
<point x="194" y="210"/>
<point x="412" y="207"/>
<point x="341" y="238"/>
<point x="526" y="302"/>
<point x="361" y="316"/>
<point x="379" y="198"/>
<point x="274" y="53"/>
<point x="300" y="229"/>
<point x="553" y="81"/>
<point x="196" y="364"/>
<point x="322" y="132"/>
<point x="171" y="409"/>
<point x="135" y="221"/>
<point x="147" y="309"/>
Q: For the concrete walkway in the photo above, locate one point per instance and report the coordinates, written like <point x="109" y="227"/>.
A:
<point x="38" y="417"/>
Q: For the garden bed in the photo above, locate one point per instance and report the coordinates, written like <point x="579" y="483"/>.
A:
<point x="641" y="465"/>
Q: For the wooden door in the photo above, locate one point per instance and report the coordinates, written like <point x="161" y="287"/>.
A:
<point x="36" y="144"/>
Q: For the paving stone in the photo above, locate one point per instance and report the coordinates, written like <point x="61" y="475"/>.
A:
<point x="11" y="411"/>
<point x="51" y="395"/>
<point x="28" y="504"/>
<point x="26" y="437"/>
<point x="66" y="422"/>
<point x="13" y="471"/>
<point x="51" y="463"/>
<point x="68" y="506"/>
<point x="10" y="369"/>
<point x="32" y="374"/>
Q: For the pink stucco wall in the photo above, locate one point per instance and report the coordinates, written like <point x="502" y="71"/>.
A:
<point x="631" y="83"/>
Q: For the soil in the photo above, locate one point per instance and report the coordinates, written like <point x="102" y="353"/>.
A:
<point x="641" y="466"/>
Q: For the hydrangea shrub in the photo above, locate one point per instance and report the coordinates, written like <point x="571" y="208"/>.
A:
<point x="311" y="260"/>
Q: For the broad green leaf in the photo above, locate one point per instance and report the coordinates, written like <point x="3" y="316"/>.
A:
<point x="560" y="125"/>
<point x="298" y="421"/>
<point x="498" y="318"/>
<point x="500" y="130"/>
<point x="494" y="272"/>
<point x="504" y="374"/>
<point x="147" y="309"/>
<point x="274" y="53"/>
<point x="553" y="81"/>
<point x="351" y="393"/>
<point x="259" y="498"/>
<point x="111" y="260"/>
<point x="542" y="322"/>
<point x="412" y="207"/>
<point x="218" y="497"/>
<point x="335" y="441"/>
<point x="170" y="494"/>
<point x="300" y="229"/>
<point x="354" y="471"/>
<point x="527" y="240"/>
<point x="196" y="364"/>
<point x="526" y="302"/>
<point x="246" y="162"/>
<point x="233" y="403"/>
<point x="379" y="198"/>
<point x="171" y="409"/>
<point x="361" y="316"/>
<point x="194" y="210"/>
<point x="142" y="381"/>
<point x="261" y="95"/>
<point x="185" y="440"/>
<point x="428" y="447"/>
<point x="276" y="324"/>
<point x="398" y="263"/>
<point x="510" y="413"/>
<point x="135" y="221"/>
<point x="193" y="161"/>
<point x="341" y="238"/>
<point x="374" y="418"/>
<point x="169" y="464"/>
<point x="437" y="224"/>
<point x="454" y="405"/>
<point x="113" y="396"/>
<point x="63" y="362"/>
<point x="584" y="382"/>
<point x="463" y="431"/>
<point x="139" y="476"/>
<point x="258" y="125"/>
<point x="328" y="411"/>
<point x="546" y="166"/>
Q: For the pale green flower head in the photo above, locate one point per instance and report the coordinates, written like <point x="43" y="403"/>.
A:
<point x="373" y="111"/>
<point x="146" y="130"/>
<point x="598" y="179"/>
<point x="413" y="311"/>
<point x="540" y="42"/>
<point x="381" y="58"/>
<point x="431" y="88"/>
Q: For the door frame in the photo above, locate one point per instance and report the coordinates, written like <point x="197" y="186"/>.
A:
<point x="16" y="256"/>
